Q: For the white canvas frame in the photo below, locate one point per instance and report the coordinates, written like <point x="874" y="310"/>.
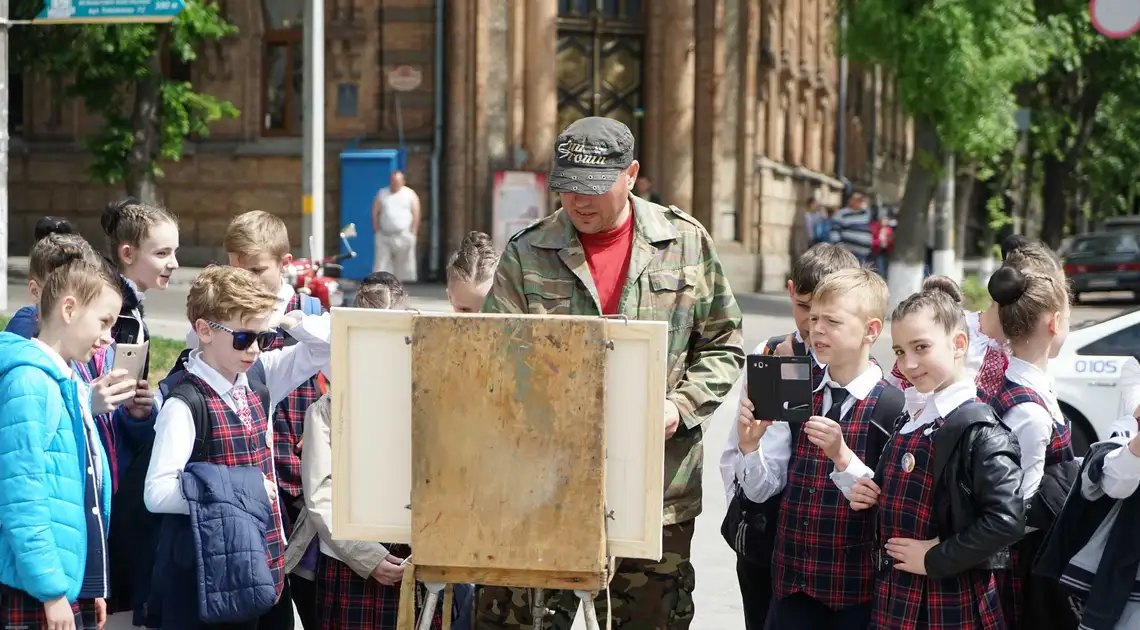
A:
<point x="372" y="433"/>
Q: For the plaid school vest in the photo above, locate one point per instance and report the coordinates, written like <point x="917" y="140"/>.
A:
<point x="823" y="547"/>
<point x="289" y="424"/>
<point x="230" y="444"/>
<point x="1012" y="394"/>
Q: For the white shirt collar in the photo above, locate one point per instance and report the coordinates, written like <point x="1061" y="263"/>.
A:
<point x="1029" y="375"/>
<point x="284" y="294"/>
<point x="861" y="386"/>
<point x="196" y="366"/>
<point x="924" y="409"/>
<point x="63" y="366"/>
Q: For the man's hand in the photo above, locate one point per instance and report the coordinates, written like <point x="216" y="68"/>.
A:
<point x="864" y="495"/>
<point x="59" y="614"/>
<point x="785" y="347"/>
<point x="672" y="419"/>
<point x="910" y="555"/>
<point x="828" y="435"/>
<point x="748" y="429"/>
<point x="111" y="390"/>
<point x="388" y="573"/>
<point x="143" y="403"/>
<point x="101" y="612"/>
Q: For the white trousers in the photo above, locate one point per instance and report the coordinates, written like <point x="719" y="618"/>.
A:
<point x="396" y="254"/>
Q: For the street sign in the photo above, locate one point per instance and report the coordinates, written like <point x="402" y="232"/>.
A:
<point x="405" y="78"/>
<point x="108" y="11"/>
<point x="1116" y="19"/>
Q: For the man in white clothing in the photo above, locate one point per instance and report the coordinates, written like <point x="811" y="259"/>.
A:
<point x="396" y="223"/>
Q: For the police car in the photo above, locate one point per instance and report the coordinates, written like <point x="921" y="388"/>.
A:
<point x="1087" y="374"/>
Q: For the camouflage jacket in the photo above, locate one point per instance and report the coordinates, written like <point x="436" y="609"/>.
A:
<point x="675" y="276"/>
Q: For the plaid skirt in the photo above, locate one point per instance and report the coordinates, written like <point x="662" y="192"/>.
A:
<point x="20" y="611"/>
<point x="346" y="601"/>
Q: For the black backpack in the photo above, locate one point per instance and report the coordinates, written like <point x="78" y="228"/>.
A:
<point x="135" y="528"/>
<point x="750" y="527"/>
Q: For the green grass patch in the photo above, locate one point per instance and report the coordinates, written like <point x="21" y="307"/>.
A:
<point x="163" y="353"/>
<point x="975" y="296"/>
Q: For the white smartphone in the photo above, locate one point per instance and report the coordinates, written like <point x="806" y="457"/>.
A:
<point x="132" y="358"/>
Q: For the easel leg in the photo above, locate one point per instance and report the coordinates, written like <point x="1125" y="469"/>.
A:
<point x="448" y="605"/>
<point x="538" y="608"/>
<point x="428" y="613"/>
<point x="588" y="608"/>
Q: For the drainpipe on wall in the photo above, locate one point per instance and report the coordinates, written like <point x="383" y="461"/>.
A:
<point x="437" y="144"/>
<point x="841" y="107"/>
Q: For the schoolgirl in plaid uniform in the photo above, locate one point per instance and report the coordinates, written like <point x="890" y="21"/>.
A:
<point x="937" y="546"/>
<point x="55" y="490"/>
<point x="1032" y="300"/>
<point x="821" y="569"/>
<point x="232" y="313"/>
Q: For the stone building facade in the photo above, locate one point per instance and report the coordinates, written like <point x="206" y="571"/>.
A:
<point x="734" y="104"/>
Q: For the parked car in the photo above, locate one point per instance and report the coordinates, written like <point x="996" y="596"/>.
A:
<point x="1087" y="371"/>
<point x="1104" y="261"/>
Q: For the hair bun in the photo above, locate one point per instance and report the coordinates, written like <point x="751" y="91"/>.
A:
<point x="1007" y="285"/>
<point x="113" y="212"/>
<point x="1013" y="243"/>
<point x="476" y="240"/>
<point x="943" y="284"/>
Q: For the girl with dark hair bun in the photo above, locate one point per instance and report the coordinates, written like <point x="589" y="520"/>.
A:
<point x="1031" y="298"/>
<point x="470" y="272"/>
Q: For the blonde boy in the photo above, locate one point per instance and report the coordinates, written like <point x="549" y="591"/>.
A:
<point x="822" y="566"/>
<point x="258" y="242"/>
<point x="233" y="315"/>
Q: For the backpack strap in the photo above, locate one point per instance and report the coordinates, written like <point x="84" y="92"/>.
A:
<point x="889" y="409"/>
<point x="187" y="391"/>
<point x="256" y="377"/>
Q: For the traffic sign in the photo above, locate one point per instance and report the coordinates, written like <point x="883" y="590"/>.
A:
<point x="405" y="78"/>
<point x="1116" y="19"/>
<point x="108" y="11"/>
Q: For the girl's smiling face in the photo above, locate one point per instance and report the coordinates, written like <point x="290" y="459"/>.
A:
<point x="928" y="356"/>
<point x="150" y="263"/>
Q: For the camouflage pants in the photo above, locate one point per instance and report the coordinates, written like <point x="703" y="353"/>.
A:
<point x="644" y="595"/>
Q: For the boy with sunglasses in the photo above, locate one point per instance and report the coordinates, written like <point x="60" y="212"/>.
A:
<point x="233" y="317"/>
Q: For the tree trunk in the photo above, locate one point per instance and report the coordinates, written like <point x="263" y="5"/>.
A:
<point x="1053" y="199"/>
<point x="909" y="258"/>
<point x="146" y="121"/>
<point x="963" y="205"/>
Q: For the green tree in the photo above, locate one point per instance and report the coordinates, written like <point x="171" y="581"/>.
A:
<point x="956" y="63"/>
<point x="1087" y="69"/>
<point x="117" y="72"/>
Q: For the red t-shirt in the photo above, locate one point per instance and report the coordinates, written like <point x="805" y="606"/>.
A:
<point x="607" y="254"/>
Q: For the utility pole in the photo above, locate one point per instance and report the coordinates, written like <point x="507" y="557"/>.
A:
<point x="4" y="139"/>
<point x="313" y="178"/>
<point x="943" y="262"/>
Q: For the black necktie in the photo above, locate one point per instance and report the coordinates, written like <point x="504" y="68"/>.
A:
<point x="838" y="395"/>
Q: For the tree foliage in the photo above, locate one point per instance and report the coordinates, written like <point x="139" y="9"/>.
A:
<point x="956" y="62"/>
<point x="117" y="72"/>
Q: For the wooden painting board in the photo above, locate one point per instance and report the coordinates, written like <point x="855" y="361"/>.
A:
<point x="508" y="443"/>
<point x="372" y="429"/>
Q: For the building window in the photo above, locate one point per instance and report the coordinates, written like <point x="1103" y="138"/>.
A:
<point x="16" y="104"/>
<point x="282" y="66"/>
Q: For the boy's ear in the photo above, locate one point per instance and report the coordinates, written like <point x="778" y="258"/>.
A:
<point x="874" y="329"/>
<point x="202" y="330"/>
<point x="286" y="259"/>
<point x="791" y="290"/>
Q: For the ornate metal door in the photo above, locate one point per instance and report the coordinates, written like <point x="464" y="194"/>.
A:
<point x="600" y="45"/>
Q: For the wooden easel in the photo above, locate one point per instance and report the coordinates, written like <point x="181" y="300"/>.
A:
<point x="510" y="458"/>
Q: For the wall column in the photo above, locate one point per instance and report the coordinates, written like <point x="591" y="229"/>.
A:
<point x="675" y="103"/>
<point x="541" y="97"/>
<point x="458" y="159"/>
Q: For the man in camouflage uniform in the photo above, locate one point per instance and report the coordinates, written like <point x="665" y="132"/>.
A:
<point x="674" y="275"/>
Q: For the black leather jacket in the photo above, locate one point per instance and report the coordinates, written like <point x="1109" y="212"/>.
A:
<point x="979" y="509"/>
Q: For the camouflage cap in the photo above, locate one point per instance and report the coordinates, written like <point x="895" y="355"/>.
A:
<point x="589" y="156"/>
